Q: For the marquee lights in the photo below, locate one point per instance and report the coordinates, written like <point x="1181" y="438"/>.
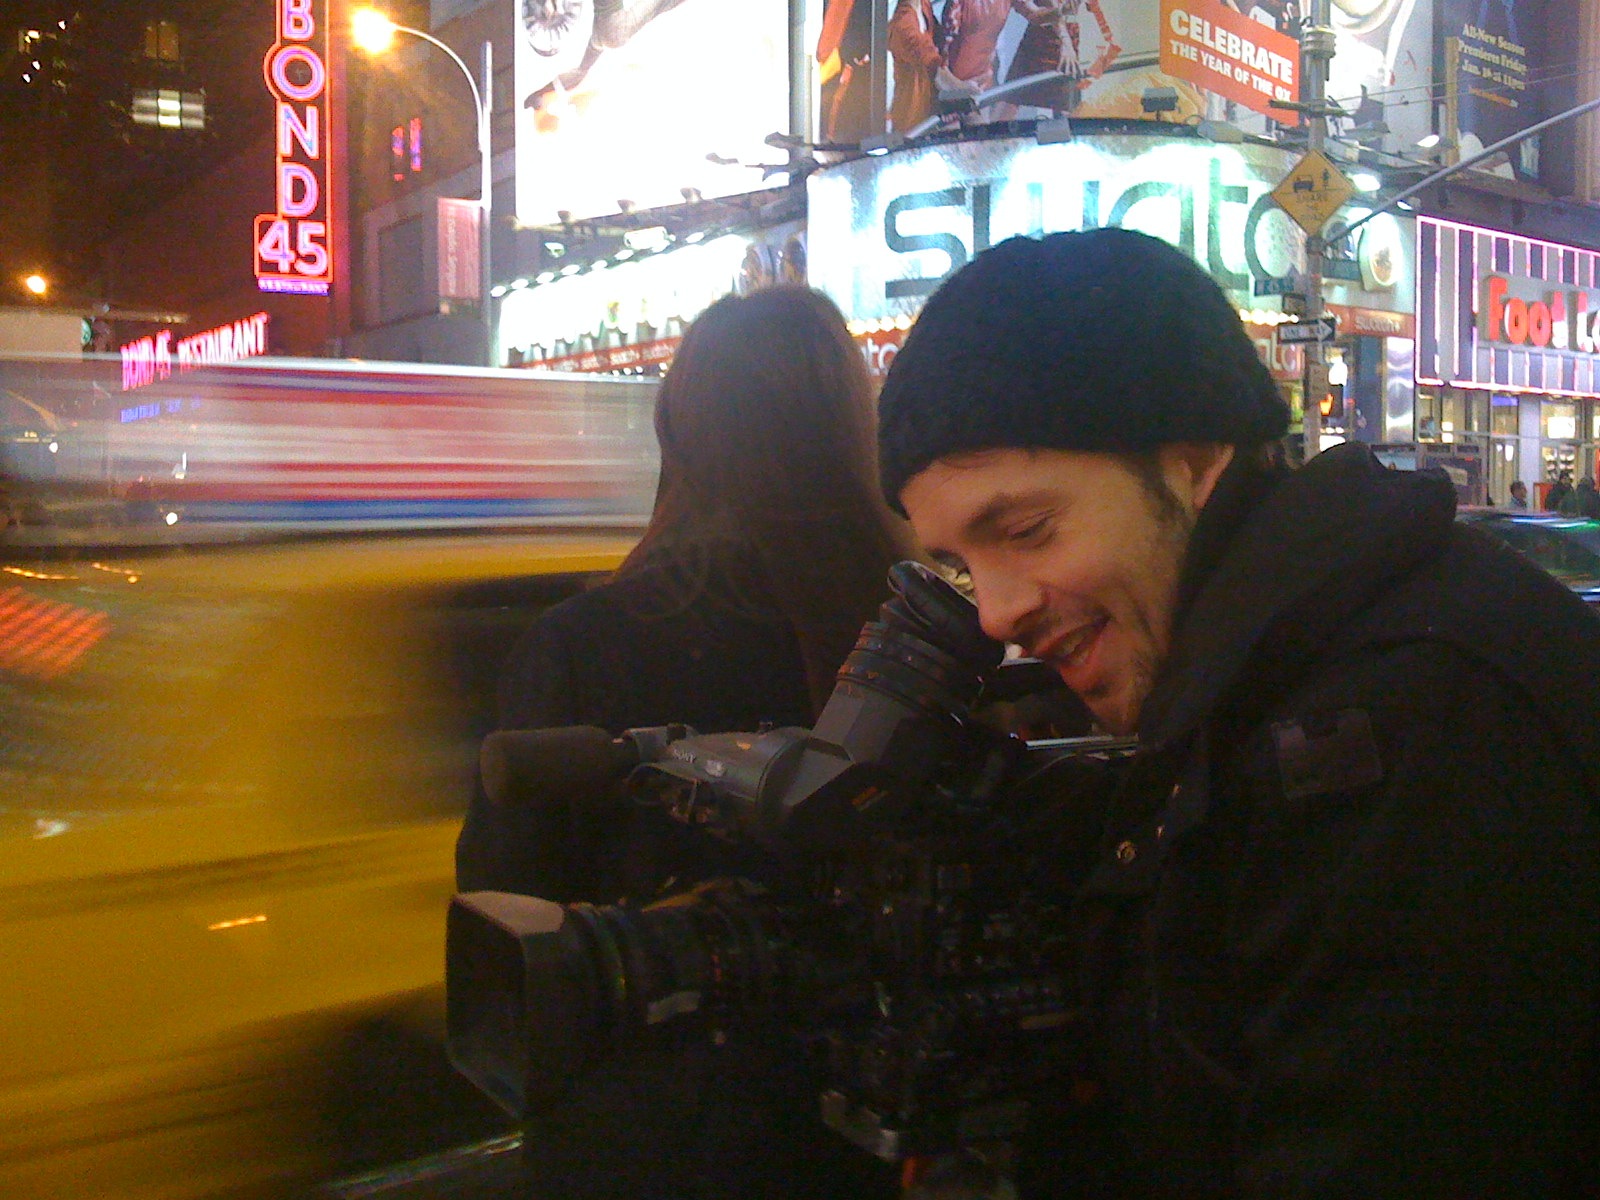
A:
<point x="292" y="250"/>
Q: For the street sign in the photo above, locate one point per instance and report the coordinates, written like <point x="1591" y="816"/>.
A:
<point x="1316" y="381"/>
<point x="1280" y="285"/>
<point x="1294" y="303"/>
<point x="1312" y="191"/>
<point x="1346" y="269"/>
<point x="1321" y="330"/>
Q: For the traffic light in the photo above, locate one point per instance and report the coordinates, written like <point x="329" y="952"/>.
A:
<point x="1332" y="407"/>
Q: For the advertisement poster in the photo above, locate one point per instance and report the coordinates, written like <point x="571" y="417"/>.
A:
<point x="1027" y="58"/>
<point x="1498" y="53"/>
<point x="844" y="70"/>
<point x="1223" y="51"/>
<point x="644" y="103"/>
<point x="1382" y="68"/>
<point x="459" y="231"/>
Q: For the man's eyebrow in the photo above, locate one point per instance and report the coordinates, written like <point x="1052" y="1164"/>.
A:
<point x="986" y="521"/>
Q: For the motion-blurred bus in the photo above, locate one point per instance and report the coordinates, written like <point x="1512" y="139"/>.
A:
<point x="295" y="445"/>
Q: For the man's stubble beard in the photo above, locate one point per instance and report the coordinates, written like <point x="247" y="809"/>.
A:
<point x="1168" y="544"/>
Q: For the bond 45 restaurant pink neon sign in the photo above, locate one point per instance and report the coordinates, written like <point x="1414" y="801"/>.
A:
<point x="292" y="248"/>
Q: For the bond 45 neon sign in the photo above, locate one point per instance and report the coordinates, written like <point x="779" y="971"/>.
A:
<point x="292" y="247"/>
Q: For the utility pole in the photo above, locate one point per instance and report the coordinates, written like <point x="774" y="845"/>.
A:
<point x="1316" y="51"/>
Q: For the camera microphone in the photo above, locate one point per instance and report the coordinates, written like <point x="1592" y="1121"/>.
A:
<point x="538" y="767"/>
<point x="522" y="767"/>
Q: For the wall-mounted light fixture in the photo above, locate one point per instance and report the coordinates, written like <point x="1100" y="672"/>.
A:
<point x="1054" y="130"/>
<point x="881" y="143"/>
<point x="1366" y="132"/>
<point x="1223" y="132"/>
<point x="1159" y="100"/>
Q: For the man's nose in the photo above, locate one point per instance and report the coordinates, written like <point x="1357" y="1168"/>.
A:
<point x="1005" y="605"/>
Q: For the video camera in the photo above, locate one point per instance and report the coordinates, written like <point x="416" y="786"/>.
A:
<point x="891" y="886"/>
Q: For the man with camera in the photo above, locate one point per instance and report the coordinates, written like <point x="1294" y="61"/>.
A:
<point x="1343" y="935"/>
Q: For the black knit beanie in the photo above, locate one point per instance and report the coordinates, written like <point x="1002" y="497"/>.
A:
<point x="1106" y="340"/>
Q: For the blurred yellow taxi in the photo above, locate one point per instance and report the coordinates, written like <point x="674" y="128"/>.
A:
<point x="230" y="785"/>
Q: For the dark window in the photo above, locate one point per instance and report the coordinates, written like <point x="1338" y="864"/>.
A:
<point x="161" y="41"/>
<point x="402" y="280"/>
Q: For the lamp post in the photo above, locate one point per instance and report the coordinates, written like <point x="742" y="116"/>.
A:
<point x="373" y="32"/>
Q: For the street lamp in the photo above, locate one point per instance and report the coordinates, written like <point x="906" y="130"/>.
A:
<point x="38" y="285"/>
<point x="373" y="32"/>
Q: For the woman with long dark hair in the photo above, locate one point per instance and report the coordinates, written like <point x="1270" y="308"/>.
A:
<point x="768" y="547"/>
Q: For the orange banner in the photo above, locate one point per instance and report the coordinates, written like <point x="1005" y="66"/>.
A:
<point x="1214" y="47"/>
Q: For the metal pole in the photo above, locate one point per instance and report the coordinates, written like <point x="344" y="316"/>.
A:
<point x="486" y="216"/>
<point x="1316" y="49"/>
<point x="481" y="100"/>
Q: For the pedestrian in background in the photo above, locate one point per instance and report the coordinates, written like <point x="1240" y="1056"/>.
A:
<point x="1343" y="937"/>
<point x="1583" y="500"/>
<point x="1559" y="491"/>
<point x="1519" y="495"/>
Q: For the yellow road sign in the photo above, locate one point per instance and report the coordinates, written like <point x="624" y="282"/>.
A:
<point x="1312" y="191"/>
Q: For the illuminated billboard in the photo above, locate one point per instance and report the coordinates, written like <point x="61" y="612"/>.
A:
<point x="1507" y="66"/>
<point x="882" y="233"/>
<point x="644" y="103"/>
<point x="1382" y="67"/>
<point x="1087" y="58"/>
<point x="292" y="248"/>
<point x="1506" y="312"/>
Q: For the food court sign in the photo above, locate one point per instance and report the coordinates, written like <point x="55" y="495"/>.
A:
<point x="1509" y="313"/>
<point x="883" y="232"/>
<point x="292" y="248"/>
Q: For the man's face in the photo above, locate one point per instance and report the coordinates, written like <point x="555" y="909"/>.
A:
<point x="1073" y="556"/>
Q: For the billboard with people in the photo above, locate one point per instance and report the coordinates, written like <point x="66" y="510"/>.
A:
<point x="644" y="103"/>
<point x="1003" y="60"/>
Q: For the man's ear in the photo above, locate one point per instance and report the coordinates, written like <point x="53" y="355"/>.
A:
<point x="1193" y="468"/>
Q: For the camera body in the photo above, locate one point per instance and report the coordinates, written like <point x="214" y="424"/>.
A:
<point x="891" y="887"/>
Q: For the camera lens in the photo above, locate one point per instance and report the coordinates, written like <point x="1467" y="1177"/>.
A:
<point x="573" y="983"/>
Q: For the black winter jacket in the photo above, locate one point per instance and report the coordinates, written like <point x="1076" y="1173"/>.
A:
<point x="1344" y="935"/>
<point x="630" y="653"/>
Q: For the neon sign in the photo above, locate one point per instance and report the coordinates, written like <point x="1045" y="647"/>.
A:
<point x="292" y="250"/>
<point x="1562" y="319"/>
<point x="156" y="356"/>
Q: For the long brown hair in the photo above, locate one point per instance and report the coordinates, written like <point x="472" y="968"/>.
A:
<point x="766" y="426"/>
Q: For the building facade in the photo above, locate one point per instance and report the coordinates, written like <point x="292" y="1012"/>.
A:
<point x="624" y="202"/>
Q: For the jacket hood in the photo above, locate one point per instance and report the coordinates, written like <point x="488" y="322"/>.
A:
<point x="1346" y="553"/>
<point x="1322" y="545"/>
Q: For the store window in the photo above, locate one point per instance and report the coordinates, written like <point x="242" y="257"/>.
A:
<point x="166" y="108"/>
<point x="1558" y="419"/>
<point x="161" y="41"/>
<point x="1428" y="414"/>
<point x="1503" y="414"/>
